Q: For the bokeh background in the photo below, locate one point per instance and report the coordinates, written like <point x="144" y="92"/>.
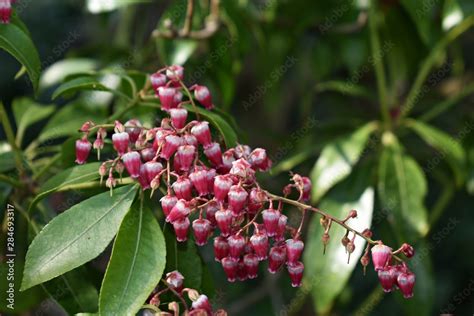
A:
<point x="295" y="77"/>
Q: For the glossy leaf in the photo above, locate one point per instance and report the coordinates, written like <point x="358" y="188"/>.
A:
<point x="229" y="135"/>
<point x="445" y="145"/>
<point x="184" y="257"/>
<point x="402" y="189"/>
<point x="67" y="121"/>
<point x="136" y="266"/>
<point x="71" y="176"/>
<point x="58" y="71"/>
<point x="452" y="14"/>
<point x="76" y="236"/>
<point x="78" y="84"/>
<point x="28" y="112"/>
<point x="18" y="43"/>
<point x="338" y="158"/>
<point x="7" y="157"/>
<point x="327" y="275"/>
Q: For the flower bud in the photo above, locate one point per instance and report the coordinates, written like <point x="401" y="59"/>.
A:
<point x="242" y="169"/>
<point x="256" y="199"/>
<point x="83" y="148"/>
<point x="120" y="142"/>
<point x="202" y="303"/>
<point x="186" y="154"/>
<point x="211" y="208"/>
<point x="179" y="211"/>
<point x="202" y="94"/>
<point x="222" y="186"/>
<point x="270" y="221"/>
<point x="406" y="282"/>
<point x="167" y="98"/>
<point x="133" y="128"/>
<point x="387" y="278"/>
<point x="381" y="256"/>
<point x="237" y="198"/>
<point x="132" y="163"/>
<point x="190" y="140"/>
<point x="296" y="273"/>
<point x="167" y="203"/>
<point x="236" y="245"/>
<point x="200" y="181"/>
<point x="306" y="189"/>
<point x="276" y="258"/>
<point x="211" y="175"/>
<point x="259" y="159"/>
<point x="142" y="178"/>
<point x="213" y="153"/>
<point x="408" y="250"/>
<point x="202" y="133"/>
<point x="201" y="230"/>
<point x="251" y="265"/>
<point x="171" y="144"/>
<point x="175" y="73"/>
<point x="259" y="242"/>
<point x="152" y="169"/>
<point x="148" y="154"/>
<point x="224" y="221"/>
<point x="5" y="11"/>
<point x="227" y="160"/>
<point x="157" y="80"/>
<point x="241" y="271"/>
<point x="280" y="235"/>
<point x="221" y="248"/>
<point x="294" y="248"/>
<point x="175" y="280"/>
<point x="179" y="117"/>
<point x="183" y="188"/>
<point x="181" y="227"/>
<point x="230" y="266"/>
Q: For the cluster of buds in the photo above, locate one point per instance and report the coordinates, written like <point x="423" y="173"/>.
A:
<point x="209" y="190"/>
<point x="393" y="275"/>
<point x="5" y="11"/>
<point x="174" y="282"/>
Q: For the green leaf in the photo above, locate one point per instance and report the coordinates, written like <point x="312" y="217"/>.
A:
<point x="28" y="112"/>
<point x="71" y="176"/>
<point x="136" y="265"/>
<point x="7" y="157"/>
<point x="346" y="88"/>
<point x="16" y="42"/>
<point x="79" y="84"/>
<point x="446" y="146"/>
<point x="67" y="121"/>
<point x="422" y="16"/>
<point x="452" y="14"/>
<point x="329" y="274"/>
<point x="74" y="292"/>
<point x="58" y="71"/>
<point x="95" y="6"/>
<point x="338" y="158"/>
<point x="76" y="236"/>
<point x="229" y="135"/>
<point x="185" y="258"/>
<point x="402" y="189"/>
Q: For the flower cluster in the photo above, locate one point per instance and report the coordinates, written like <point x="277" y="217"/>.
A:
<point x="174" y="282"/>
<point x="214" y="191"/>
<point x="5" y="11"/>
<point x="392" y="276"/>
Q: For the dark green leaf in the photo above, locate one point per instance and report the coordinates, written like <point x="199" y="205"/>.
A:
<point x="337" y="159"/>
<point x="76" y="236"/>
<point x="446" y="145"/>
<point x="422" y="16"/>
<point x="224" y="128"/>
<point x="74" y="292"/>
<point x="28" y="112"/>
<point x="71" y="176"/>
<point x="345" y="87"/>
<point x="184" y="257"/>
<point x="452" y="14"/>
<point x="80" y="84"/>
<point x="136" y="265"/>
<point x="328" y="274"/>
<point x="402" y="189"/>
<point x="58" y="71"/>
<point x="15" y="41"/>
<point x="67" y="121"/>
<point x="7" y="157"/>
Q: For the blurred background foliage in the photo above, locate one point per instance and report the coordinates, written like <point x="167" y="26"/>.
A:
<point x="295" y="77"/>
